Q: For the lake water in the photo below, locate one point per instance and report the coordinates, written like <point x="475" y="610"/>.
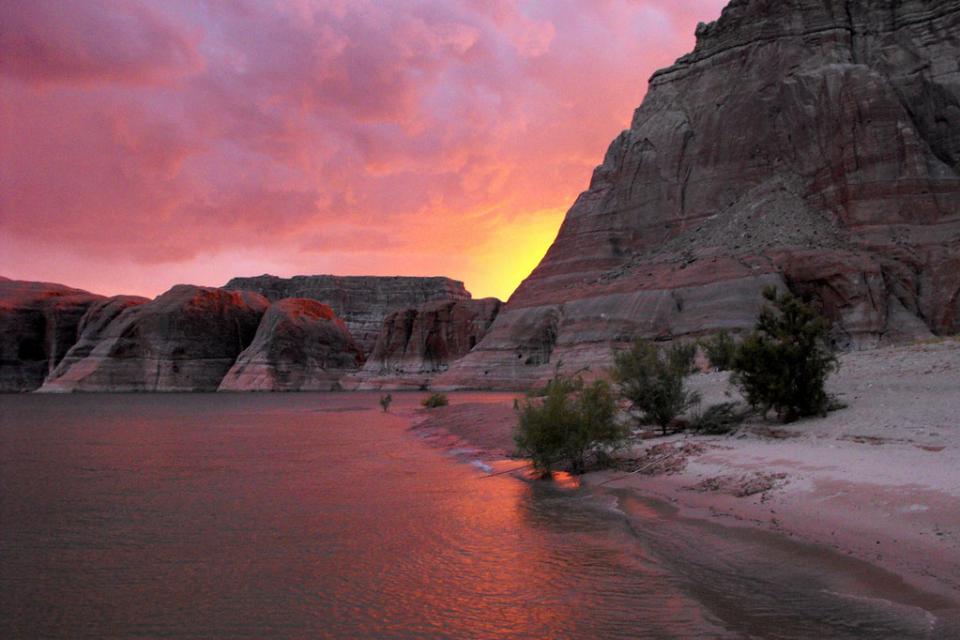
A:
<point x="319" y="516"/>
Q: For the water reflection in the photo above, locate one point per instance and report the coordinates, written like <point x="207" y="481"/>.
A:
<point x="261" y="516"/>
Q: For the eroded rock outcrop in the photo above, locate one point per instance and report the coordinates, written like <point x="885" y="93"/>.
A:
<point x="416" y="344"/>
<point x="362" y="302"/>
<point x="39" y="322"/>
<point x="184" y="340"/>
<point x="300" y="345"/>
<point x="809" y="144"/>
<point x="91" y="331"/>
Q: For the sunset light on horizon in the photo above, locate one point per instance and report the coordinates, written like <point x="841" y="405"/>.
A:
<point x="149" y="143"/>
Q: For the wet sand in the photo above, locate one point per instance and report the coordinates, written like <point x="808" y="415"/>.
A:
<point x="877" y="482"/>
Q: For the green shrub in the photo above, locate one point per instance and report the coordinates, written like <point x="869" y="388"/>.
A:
<point x="570" y="422"/>
<point x="720" y="419"/>
<point x="721" y="350"/>
<point x="653" y="380"/>
<point x="682" y="354"/>
<point x="435" y="400"/>
<point x="385" y="402"/>
<point x="784" y="363"/>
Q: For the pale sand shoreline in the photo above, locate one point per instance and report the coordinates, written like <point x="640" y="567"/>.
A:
<point x="878" y="481"/>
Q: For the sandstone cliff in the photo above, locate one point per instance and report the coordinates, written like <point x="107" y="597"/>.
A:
<point x="90" y="333"/>
<point x="810" y="144"/>
<point x="300" y="345"/>
<point x="362" y="302"/>
<point x="184" y="340"/>
<point x="39" y="322"/>
<point x="416" y="344"/>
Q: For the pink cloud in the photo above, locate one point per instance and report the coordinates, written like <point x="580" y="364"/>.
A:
<point x="57" y="41"/>
<point x="328" y="135"/>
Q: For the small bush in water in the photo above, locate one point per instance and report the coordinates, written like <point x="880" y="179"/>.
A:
<point x="435" y="400"/>
<point x="571" y="421"/>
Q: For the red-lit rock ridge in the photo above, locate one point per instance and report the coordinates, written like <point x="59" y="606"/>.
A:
<point x="184" y="340"/>
<point x="39" y="322"/>
<point x="362" y="302"/>
<point x="201" y="339"/>
<point x="300" y="345"/>
<point x="414" y="345"/>
<point x="809" y="144"/>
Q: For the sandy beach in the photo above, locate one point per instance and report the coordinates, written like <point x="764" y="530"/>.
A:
<point x="878" y="481"/>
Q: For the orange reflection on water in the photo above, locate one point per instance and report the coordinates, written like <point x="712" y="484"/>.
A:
<point x="505" y="507"/>
<point x="565" y="480"/>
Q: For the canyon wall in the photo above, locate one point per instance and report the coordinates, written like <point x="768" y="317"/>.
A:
<point x="416" y="344"/>
<point x="809" y="144"/>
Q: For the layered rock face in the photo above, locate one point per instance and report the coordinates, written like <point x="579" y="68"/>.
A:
<point x="808" y="144"/>
<point x="39" y="322"/>
<point x="416" y="344"/>
<point x="300" y="345"/>
<point x="184" y="340"/>
<point x="362" y="302"/>
<point x="91" y="332"/>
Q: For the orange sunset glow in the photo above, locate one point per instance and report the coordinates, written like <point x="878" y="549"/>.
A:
<point x="150" y="143"/>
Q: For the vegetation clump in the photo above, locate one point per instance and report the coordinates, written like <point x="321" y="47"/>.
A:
<point x="653" y="380"/>
<point x="571" y="421"/>
<point x="721" y="350"/>
<point x="435" y="400"/>
<point x="784" y="363"/>
<point x="720" y="419"/>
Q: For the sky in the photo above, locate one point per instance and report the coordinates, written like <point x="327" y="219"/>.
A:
<point x="148" y="143"/>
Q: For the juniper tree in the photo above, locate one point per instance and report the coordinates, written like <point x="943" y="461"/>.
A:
<point x="784" y="363"/>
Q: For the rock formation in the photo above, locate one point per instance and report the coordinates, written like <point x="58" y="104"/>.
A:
<point x="416" y="344"/>
<point x="809" y="144"/>
<point x="300" y="346"/>
<point x="184" y="340"/>
<point x="362" y="302"/>
<point x="38" y="324"/>
<point x="91" y="332"/>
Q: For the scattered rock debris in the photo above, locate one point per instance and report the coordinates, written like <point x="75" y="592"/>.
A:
<point x="742" y="486"/>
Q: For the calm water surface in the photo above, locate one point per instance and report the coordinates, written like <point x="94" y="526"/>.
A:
<point x="318" y="516"/>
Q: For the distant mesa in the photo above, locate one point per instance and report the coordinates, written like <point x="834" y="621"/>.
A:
<point x="362" y="302"/>
<point x="416" y="344"/>
<point x="195" y="338"/>
<point x="300" y="345"/>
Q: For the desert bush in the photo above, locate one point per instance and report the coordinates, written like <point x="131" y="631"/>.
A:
<point x="435" y="400"/>
<point x="682" y="354"/>
<point x="720" y="419"/>
<point x="385" y="402"/>
<point x="721" y="350"/>
<point x="784" y="363"/>
<point x="570" y="422"/>
<point x="652" y="380"/>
